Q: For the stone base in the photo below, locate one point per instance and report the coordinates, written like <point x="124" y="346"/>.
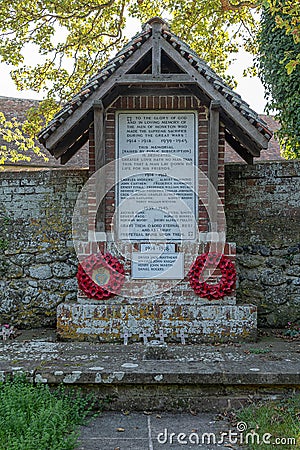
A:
<point x="199" y="323"/>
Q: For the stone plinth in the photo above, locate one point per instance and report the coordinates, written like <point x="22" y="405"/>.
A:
<point x="107" y="322"/>
<point x="175" y="314"/>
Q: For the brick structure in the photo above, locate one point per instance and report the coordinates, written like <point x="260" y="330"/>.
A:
<point x="159" y="103"/>
<point x="154" y="78"/>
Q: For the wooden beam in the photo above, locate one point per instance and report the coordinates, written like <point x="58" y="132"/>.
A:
<point x="169" y="78"/>
<point x="197" y="92"/>
<point x="156" y="49"/>
<point x="211" y="92"/>
<point x="87" y="105"/>
<point x="99" y="136"/>
<point x="252" y="146"/>
<point x="156" y="90"/>
<point x="242" y="151"/>
<point x="213" y="161"/>
<point x="74" y="148"/>
<point x="112" y="95"/>
<point x="144" y="91"/>
<point x="63" y="146"/>
<point x="213" y="142"/>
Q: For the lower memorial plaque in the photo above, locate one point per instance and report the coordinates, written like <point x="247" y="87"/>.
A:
<point x="162" y="266"/>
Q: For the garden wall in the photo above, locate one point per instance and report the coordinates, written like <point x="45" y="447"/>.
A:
<point x="37" y="260"/>
<point x="263" y="217"/>
<point x="38" y="263"/>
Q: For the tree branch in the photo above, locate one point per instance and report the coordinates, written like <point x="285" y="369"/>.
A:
<point x="228" y="6"/>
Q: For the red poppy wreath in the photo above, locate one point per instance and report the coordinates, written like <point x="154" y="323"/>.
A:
<point x="100" y="276"/>
<point x="218" y="290"/>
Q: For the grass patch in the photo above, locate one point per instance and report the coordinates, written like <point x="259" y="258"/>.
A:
<point x="280" y="419"/>
<point x="259" y="351"/>
<point x="34" y="418"/>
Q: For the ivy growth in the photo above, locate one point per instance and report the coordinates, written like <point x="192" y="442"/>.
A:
<point x="279" y="69"/>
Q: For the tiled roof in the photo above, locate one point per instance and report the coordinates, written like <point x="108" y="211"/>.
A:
<point x="185" y="51"/>
<point x="17" y="108"/>
<point x="218" y="83"/>
<point x="272" y="153"/>
<point x="94" y="83"/>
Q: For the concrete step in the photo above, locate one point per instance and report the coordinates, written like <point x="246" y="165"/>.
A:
<point x="202" y="377"/>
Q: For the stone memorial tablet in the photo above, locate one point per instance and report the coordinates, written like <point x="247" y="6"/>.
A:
<point x="156" y="167"/>
<point x="162" y="266"/>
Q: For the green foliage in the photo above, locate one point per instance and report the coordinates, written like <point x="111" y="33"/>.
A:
<point x="89" y="31"/>
<point x="33" y="417"/>
<point x="18" y="141"/>
<point x="286" y="14"/>
<point x="75" y="39"/>
<point x="279" y="50"/>
<point x="278" y="418"/>
<point x="259" y="351"/>
<point x="4" y="233"/>
<point x="3" y="244"/>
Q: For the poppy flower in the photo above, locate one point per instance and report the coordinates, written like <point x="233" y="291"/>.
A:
<point x="213" y="291"/>
<point x="94" y="262"/>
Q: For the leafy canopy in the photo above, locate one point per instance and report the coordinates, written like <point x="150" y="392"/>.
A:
<point x="279" y="68"/>
<point x="75" y="38"/>
<point x="11" y="132"/>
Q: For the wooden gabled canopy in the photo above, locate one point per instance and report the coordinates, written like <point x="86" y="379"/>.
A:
<point x="156" y="61"/>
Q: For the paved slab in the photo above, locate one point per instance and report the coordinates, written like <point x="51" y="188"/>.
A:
<point x="137" y="431"/>
<point x="39" y="352"/>
<point x="203" y="377"/>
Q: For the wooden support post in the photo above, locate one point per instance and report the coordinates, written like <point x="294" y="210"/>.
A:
<point x="156" y="49"/>
<point x="213" y="159"/>
<point x="99" y="136"/>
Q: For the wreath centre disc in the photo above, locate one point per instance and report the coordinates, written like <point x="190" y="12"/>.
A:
<point x="101" y="276"/>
